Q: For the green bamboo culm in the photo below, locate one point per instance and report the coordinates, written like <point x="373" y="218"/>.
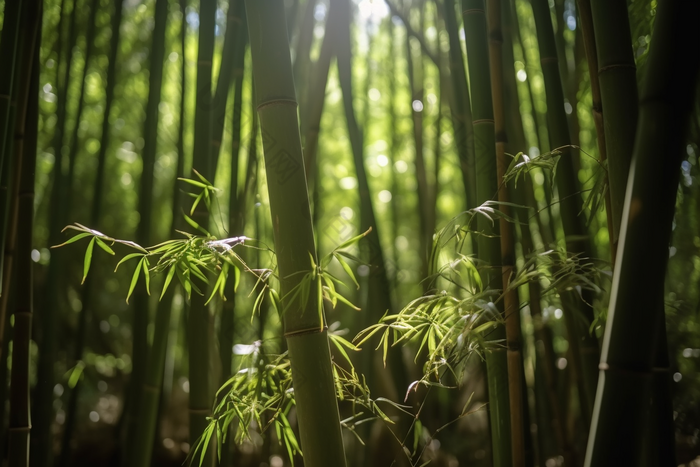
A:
<point x="304" y="326"/>
<point x="202" y="161"/>
<point x="617" y="75"/>
<point x="586" y="24"/>
<point x="236" y="205"/>
<point x="488" y="244"/>
<point x="460" y="105"/>
<point x="583" y="343"/>
<point x="231" y="58"/>
<point x="620" y="420"/>
<point x="44" y="405"/>
<point x="144" y="397"/>
<point x="25" y="150"/>
<point x="511" y="304"/>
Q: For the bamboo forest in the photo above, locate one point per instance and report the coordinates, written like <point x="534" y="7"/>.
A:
<point x="347" y="233"/>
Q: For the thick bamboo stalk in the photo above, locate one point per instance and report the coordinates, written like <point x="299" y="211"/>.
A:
<point x="571" y="202"/>
<point x="620" y="420"/>
<point x="8" y="54"/>
<point x="511" y="303"/>
<point x="25" y="149"/>
<point x="489" y="249"/>
<point x="617" y="75"/>
<point x="304" y="326"/>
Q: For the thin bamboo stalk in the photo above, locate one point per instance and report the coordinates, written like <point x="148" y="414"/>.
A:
<point x="415" y="80"/>
<point x="198" y="319"/>
<point x="236" y="223"/>
<point x="45" y="416"/>
<point x="620" y="420"/>
<point x="231" y="60"/>
<point x="570" y="206"/>
<point x="511" y="310"/>
<point x="301" y="67"/>
<point x="304" y="326"/>
<point x="378" y="286"/>
<point x="26" y="131"/>
<point x="460" y="106"/>
<point x="586" y="21"/>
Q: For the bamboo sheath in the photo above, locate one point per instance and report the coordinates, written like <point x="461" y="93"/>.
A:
<point x="304" y="324"/>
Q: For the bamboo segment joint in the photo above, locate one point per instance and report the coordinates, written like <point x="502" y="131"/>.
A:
<point x="472" y="11"/>
<point x="482" y="120"/>
<point x="545" y="60"/>
<point x="279" y="101"/>
<point x="20" y="429"/>
<point x="199" y="411"/>
<point x="617" y="65"/>
<point x="314" y="330"/>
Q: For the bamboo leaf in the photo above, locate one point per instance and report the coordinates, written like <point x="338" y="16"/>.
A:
<point x="168" y="279"/>
<point x="127" y="258"/>
<point x="134" y="279"/>
<point x="88" y="258"/>
<point x="104" y="246"/>
<point x="73" y="239"/>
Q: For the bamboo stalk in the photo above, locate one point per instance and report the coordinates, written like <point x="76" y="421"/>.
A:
<point x="304" y="326"/>
<point x="586" y="21"/>
<point x="8" y="54"/>
<point x="378" y="285"/>
<point x="460" y="107"/>
<point x="415" y="80"/>
<point x="198" y="319"/>
<point x="617" y="75"/>
<point x="45" y="410"/>
<point x="620" y="420"/>
<point x="511" y="310"/>
<point x="144" y="395"/>
<point x="231" y="63"/>
<point x="26" y="131"/>
<point x="489" y="249"/>
<point x="570" y="206"/>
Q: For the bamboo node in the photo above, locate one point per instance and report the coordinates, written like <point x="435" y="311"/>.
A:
<point x="482" y="120"/>
<point x="545" y="60"/>
<point x="472" y="11"/>
<point x="314" y="330"/>
<point x="20" y="429"/>
<point x="616" y="65"/>
<point x="278" y="101"/>
<point x="200" y="411"/>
